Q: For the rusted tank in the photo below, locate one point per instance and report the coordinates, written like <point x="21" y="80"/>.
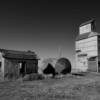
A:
<point x="63" y="66"/>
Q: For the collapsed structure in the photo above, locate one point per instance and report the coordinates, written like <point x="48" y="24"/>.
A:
<point x="14" y="64"/>
<point x="87" y="48"/>
<point x="63" y="66"/>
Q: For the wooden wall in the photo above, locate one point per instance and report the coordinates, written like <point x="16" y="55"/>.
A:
<point x="86" y="46"/>
<point x="12" y="67"/>
<point x="92" y="65"/>
<point x="31" y="66"/>
<point x="11" y="70"/>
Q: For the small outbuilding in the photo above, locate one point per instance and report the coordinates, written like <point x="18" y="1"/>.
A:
<point x="15" y="64"/>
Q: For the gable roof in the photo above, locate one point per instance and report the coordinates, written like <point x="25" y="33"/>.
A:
<point x="88" y="22"/>
<point x="18" y="54"/>
<point x="86" y="35"/>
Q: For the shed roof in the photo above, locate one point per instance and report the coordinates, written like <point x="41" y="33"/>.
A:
<point x="86" y="35"/>
<point x="82" y="36"/>
<point x="14" y="54"/>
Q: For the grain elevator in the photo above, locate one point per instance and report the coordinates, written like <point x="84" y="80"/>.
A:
<point x="87" y="48"/>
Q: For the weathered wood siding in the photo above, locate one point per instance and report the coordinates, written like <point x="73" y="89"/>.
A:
<point x="11" y="69"/>
<point x="31" y="66"/>
<point x="92" y="65"/>
<point x="1" y="66"/>
<point x="87" y="48"/>
<point x="98" y="53"/>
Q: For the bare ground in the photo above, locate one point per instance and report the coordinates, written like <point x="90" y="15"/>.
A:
<point x="70" y="87"/>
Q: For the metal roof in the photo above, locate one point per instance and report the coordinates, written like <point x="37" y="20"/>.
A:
<point x="88" y="22"/>
<point x="86" y="35"/>
<point x="82" y="36"/>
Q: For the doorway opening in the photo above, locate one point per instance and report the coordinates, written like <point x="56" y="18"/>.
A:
<point x="22" y="70"/>
<point x="92" y="64"/>
<point x="99" y="66"/>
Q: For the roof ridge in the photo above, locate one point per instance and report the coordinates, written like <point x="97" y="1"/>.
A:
<point x="87" y="22"/>
<point x="8" y="50"/>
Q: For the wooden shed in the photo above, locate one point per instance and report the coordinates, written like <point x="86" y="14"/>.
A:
<point x="15" y="64"/>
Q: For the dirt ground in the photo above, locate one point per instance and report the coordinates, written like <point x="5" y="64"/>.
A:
<point x="70" y="87"/>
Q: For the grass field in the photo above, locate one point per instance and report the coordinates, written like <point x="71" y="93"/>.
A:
<point x="70" y="87"/>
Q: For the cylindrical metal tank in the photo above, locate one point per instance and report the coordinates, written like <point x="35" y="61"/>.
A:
<point x="63" y="66"/>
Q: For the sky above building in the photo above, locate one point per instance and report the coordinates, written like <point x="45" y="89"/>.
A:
<point x="45" y="26"/>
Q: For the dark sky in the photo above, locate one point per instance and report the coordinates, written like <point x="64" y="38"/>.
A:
<point x="44" y="26"/>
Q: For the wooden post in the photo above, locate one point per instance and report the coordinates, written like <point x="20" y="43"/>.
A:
<point x="97" y="64"/>
<point x="97" y="53"/>
<point x="25" y="67"/>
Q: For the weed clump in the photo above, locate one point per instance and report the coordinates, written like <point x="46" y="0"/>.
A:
<point x="33" y="76"/>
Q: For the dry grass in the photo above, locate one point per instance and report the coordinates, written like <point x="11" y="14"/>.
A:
<point x="69" y="87"/>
